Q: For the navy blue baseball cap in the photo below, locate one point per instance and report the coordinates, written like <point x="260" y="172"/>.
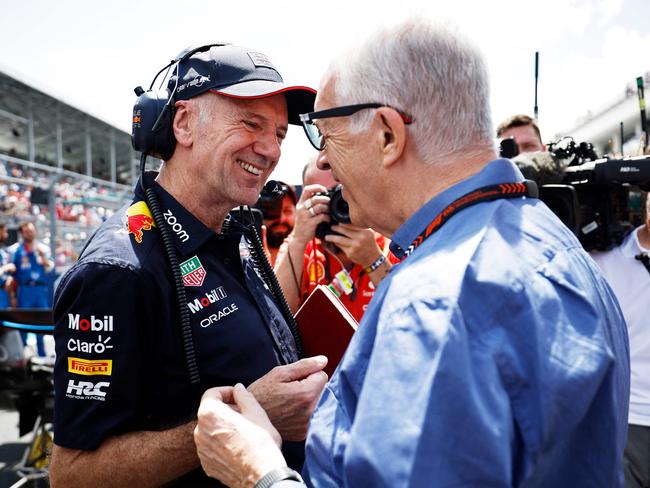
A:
<point x="238" y="72"/>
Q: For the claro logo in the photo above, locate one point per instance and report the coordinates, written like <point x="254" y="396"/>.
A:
<point x="95" y="324"/>
<point x="87" y="390"/>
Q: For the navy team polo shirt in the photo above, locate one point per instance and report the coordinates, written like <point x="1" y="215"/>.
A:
<point x="120" y="366"/>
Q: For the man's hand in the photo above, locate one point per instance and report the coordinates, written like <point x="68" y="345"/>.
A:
<point x="310" y="211"/>
<point x="358" y="244"/>
<point x="234" y="438"/>
<point x="289" y="394"/>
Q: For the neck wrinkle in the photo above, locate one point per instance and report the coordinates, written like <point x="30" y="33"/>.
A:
<point x="186" y="191"/>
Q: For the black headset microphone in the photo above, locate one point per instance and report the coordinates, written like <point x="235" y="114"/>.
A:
<point x="152" y="134"/>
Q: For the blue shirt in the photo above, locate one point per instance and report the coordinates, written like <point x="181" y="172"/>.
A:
<point x="5" y="258"/>
<point x="119" y="365"/>
<point x="494" y="355"/>
<point x="29" y="271"/>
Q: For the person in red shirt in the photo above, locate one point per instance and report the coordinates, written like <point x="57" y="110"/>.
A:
<point x="352" y="261"/>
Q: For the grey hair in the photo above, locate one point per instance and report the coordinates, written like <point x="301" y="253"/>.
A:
<point x="428" y="71"/>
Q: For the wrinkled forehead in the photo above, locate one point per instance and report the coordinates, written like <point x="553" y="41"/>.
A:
<point x="326" y="96"/>
<point x="272" y="108"/>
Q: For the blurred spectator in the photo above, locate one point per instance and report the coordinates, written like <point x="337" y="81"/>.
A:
<point x="7" y="268"/>
<point x="627" y="268"/>
<point x="524" y="130"/>
<point x="279" y="219"/>
<point x="33" y="274"/>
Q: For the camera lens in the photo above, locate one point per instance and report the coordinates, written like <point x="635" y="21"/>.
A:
<point x="339" y="209"/>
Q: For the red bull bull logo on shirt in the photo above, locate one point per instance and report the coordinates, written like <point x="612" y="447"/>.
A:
<point x="139" y="219"/>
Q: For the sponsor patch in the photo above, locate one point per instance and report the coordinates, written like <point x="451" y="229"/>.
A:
<point x="209" y="298"/>
<point x="176" y="226"/>
<point x="315" y="271"/>
<point x="193" y="272"/>
<point x="90" y="367"/>
<point x="99" y="347"/>
<point x="198" y="81"/>
<point x="216" y="317"/>
<point x="139" y="219"/>
<point x="260" y="60"/>
<point x="94" y="324"/>
<point x="87" y="390"/>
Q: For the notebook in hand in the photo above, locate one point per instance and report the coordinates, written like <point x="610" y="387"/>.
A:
<point x="325" y="326"/>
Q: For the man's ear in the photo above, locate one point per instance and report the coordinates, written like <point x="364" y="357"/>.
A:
<point x="391" y="132"/>
<point x="181" y="125"/>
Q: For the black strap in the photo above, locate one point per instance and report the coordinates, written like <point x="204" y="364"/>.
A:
<point x="486" y="193"/>
<point x="644" y="257"/>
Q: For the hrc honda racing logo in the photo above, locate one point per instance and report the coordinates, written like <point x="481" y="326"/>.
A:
<point x="87" y="390"/>
<point x="210" y="297"/>
<point x="94" y="324"/>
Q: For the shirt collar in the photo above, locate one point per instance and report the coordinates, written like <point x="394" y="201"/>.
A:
<point x="497" y="171"/>
<point x="188" y="232"/>
<point x="631" y="246"/>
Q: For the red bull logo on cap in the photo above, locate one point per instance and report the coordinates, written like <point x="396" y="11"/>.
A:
<point x="139" y="219"/>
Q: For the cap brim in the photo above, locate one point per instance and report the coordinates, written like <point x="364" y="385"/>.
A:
<point x="300" y="99"/>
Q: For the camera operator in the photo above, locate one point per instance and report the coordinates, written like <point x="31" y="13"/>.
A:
<point x="627" y="268"/>
<point x="524" y="130"/>
<point x="279" y="219"/>
<point x="351" y="259"/>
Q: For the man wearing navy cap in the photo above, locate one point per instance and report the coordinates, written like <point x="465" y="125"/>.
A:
<point x="125" y="409"/>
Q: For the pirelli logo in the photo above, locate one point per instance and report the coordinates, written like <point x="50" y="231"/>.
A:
<point x="90" y="367"/>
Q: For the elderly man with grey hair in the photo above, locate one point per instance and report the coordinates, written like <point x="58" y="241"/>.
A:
<point x="494" y="354"/>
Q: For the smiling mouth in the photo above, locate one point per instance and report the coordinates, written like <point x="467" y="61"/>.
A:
<point x="249" y="168"/>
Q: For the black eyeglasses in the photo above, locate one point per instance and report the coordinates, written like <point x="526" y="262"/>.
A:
<point x="313" y="132"/>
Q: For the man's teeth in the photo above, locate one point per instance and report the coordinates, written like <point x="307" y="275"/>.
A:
<point x="250" y="168"/>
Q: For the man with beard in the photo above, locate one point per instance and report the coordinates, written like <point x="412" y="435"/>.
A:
<point x="351" y="260"/>
<point x="279" y="219"/>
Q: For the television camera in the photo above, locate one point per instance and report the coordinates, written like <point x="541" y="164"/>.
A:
<point x="599" y="199"/>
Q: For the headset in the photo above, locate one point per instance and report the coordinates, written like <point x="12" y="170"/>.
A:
<point x="152" y="134"/>
<point x="153" y="111"/>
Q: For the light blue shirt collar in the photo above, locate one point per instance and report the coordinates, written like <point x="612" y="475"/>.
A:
<point x="497" y="171"/>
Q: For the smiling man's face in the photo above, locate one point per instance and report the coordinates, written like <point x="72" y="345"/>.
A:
<point x="238" y="145"/>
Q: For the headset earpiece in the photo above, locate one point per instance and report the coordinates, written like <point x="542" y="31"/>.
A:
<point x="151" y="132"/>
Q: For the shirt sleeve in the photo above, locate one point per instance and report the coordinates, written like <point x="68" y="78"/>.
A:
<point x="97" y="375"/>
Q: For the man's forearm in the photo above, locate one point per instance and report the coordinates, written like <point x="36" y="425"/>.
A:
<point x="290" y="277"/>
<point x="141" y="459"/>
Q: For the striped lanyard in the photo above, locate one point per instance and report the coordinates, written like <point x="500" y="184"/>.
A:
<point x="486" y="193"/>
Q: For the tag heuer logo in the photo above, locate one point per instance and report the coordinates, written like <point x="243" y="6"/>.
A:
<point x="193" y="272"/>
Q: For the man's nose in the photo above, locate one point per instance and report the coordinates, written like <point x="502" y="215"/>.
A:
<point x="268" y="145"/>
<point x="322" y="163"/>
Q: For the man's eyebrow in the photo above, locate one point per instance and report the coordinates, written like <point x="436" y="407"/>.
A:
<point x="254" y="115"/>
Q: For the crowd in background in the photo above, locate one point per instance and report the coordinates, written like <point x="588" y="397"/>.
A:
<point x="80" y="206"/>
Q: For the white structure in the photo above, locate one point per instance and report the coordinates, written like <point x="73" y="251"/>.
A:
<point x="602" y="128"/>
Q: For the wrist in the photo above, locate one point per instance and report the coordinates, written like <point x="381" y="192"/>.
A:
<point x="278" y="474"/>
<point x="297" y="243"/>
<point x="376" y="264"/>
